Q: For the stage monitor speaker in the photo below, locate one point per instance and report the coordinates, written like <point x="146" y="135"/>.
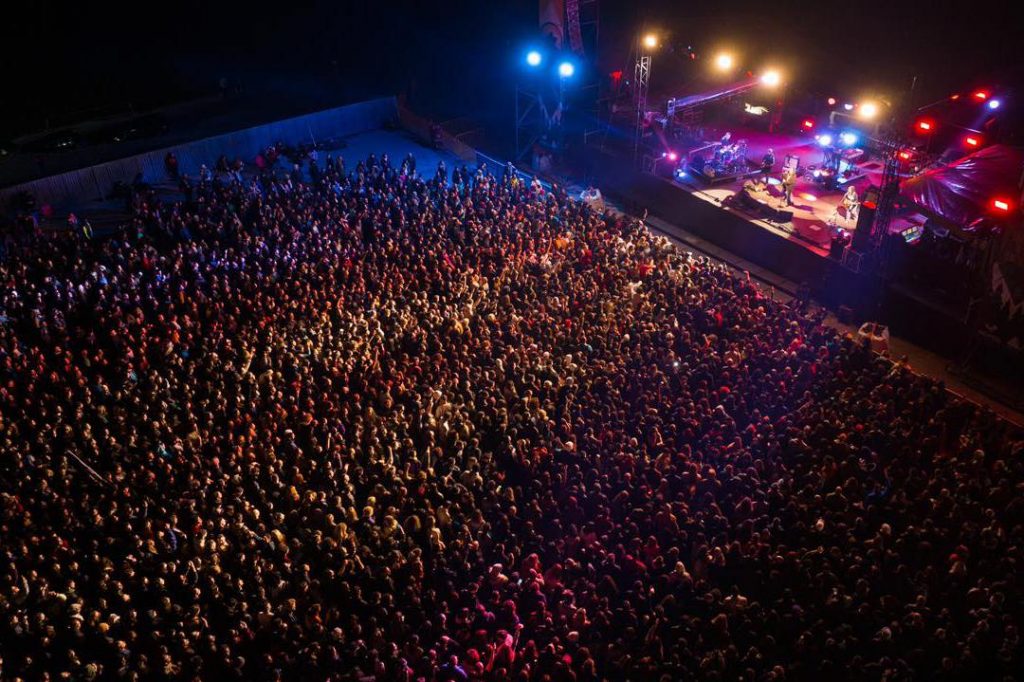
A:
<point x="748" y="203"/>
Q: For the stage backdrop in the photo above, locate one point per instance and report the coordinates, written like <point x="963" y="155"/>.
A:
<point x="86" y="184"/>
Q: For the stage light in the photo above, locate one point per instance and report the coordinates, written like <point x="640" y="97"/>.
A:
<point x="848" y="106"/>
<point x="981" y="95"/>
<point x="994" y="104"/>
<point x="868" y="110"/>
<point x="1001" y="205"/>
<point x="771" y="78"/>
<point x="672" y="156"/>
<point x="831" y="101"/>
<point x="925" y="125"/>
<point x="808" y="124"/>
<point x="808" y="197"/>
<point x="566" y="69"/>
<point x="905" y="156"/>
<point x="724" y="62"/>
<point x="955" y="97"/>
<point x="650" y="41"/>
<point x="848" y="139"/>
<point x="972" y="141"/>
<point x="825" y="140"/>
<point x="534" y="58"/>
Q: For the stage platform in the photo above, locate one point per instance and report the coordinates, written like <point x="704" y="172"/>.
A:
<point x="817" y="211"/>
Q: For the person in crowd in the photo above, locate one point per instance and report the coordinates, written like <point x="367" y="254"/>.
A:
<point x="372" y="426"/>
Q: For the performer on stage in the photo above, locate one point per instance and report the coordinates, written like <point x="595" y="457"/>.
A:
<point x="788" y="183"/>
<point x="851" y="202"/>
<point x="767" y="163"/>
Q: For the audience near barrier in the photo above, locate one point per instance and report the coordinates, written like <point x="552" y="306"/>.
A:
<point x="350" y="423"/>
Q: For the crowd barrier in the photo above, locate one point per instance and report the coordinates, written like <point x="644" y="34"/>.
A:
<point x="421" y="128"/>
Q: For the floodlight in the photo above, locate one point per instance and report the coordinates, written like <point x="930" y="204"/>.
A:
<point x="534" y="58"/>
<point x="771" y="78"/>
<point x="566" y="69"/>
<point x="650" y="41"/>
<point x="868" y="110"/>
<point x="724" y="62"/>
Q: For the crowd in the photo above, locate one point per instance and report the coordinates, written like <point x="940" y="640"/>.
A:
<point x="367" y="424"/>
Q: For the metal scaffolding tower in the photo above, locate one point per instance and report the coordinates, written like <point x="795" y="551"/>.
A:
<point x="641" y="86"/>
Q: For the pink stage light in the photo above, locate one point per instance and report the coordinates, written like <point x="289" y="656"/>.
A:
<point x="981" y="95"/>
<point x="808" y="124"/>
<point x="1001" y="205"/>
<point x="672" y="156"/>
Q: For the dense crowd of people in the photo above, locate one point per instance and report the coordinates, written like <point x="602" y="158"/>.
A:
<point x="363" y="424"/>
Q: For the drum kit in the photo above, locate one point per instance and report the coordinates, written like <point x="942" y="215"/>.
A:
<point x="728" y="159"/>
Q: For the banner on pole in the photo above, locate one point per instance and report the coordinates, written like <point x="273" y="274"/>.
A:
<point x="552" y="20"/>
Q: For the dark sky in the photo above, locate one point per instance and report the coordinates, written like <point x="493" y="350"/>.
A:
<point x="59" y="61"/>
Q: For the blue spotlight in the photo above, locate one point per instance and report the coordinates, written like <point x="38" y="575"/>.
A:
<point x="848" y="139"/>
<point x="566" y="69"/>
<point x="994" y="104"/>
<point x="534" y="58"/>
<point x="825" y="140"/>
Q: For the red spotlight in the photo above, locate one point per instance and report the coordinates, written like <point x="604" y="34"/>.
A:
<point x="808" y="124"/>
<point x="955" y="97"/>
<point x="831" y="101"/>
<point x="981" y="95"/>
<point x="925" y="125"/>
<point x="905" y="156"/>
<point x="1001" y="205"/>
<point x="672" y="156"/>
<point x="972" y="141"/>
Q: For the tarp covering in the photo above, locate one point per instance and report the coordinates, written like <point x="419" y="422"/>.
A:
<point x="962" y="191"/>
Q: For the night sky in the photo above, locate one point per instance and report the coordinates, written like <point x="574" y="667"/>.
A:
<point x="61" y="62"/>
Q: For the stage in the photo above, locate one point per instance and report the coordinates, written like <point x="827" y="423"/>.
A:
<point x="817" y="210"/>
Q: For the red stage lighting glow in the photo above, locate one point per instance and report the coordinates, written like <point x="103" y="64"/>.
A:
<point x="808" y="123"/>
<point x="925" y="126"/>
<point x="905" y="156"/>
<point x="1001" y="205"/>
<point x="981" y="95"/>
<point x="955" y="97"/>
<point x="972" y="141"/>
